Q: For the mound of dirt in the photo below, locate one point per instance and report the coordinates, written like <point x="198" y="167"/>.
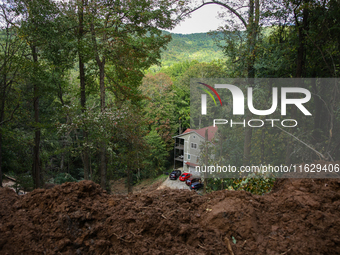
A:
<point x="300" y="216"/>
<point x="81" y="218"/>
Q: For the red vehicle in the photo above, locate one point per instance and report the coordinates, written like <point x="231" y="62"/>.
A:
<point x="184" y="176"/>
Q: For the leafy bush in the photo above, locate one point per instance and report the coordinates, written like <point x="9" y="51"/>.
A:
<point x="64" y="177"/>
<point x="25" y="181"/>
<point x="256" y="184"/>
<point x="154" y="162"/>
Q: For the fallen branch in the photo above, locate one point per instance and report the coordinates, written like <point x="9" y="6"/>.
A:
<point x="202" y="247"/>
<point x="228" y="246"/>
<point x="244" y="243"/>
<point x="286" y="252"/>
<point x="318" y="153"/>
<point x="121" y="238"/>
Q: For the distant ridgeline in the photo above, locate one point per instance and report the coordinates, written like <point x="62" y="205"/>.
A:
<point x="199" y="46"/>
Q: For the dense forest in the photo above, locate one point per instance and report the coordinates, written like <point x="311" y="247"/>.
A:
<point x="96" y="89"/>
<point x="199" y="46"/>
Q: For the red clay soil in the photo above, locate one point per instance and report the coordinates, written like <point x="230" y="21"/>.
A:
<point x="300" y="216"/>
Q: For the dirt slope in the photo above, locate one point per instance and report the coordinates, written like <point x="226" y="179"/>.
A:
<point x="300" y="216"/>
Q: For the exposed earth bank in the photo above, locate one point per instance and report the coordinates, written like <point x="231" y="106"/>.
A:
<point x="300" y="216"/>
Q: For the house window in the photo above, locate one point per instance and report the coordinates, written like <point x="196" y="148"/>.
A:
<point x="194" y="145"/>
<point x="194" y="136"/>
<point x="188" y="156"/>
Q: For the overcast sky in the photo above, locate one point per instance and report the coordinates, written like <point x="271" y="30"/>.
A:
<point x="203" y="20"/>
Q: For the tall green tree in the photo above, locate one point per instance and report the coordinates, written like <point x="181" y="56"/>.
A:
<point x="126" y="39"/>
<point x="12" y="50"/>
<point x="158" y="107"/>
<point x="35" y="25"/>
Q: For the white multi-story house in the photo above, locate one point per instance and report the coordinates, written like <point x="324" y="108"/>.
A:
<point x="187" y="147"/>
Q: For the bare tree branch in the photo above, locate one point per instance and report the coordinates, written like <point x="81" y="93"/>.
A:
<point x="225" y="6"/>
<point x="318" y="153"/>
<point x="11" y="117"/>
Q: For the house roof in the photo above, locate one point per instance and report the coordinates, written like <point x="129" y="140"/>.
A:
<point x="211" y="132"/>
<point x="191" y="164"/>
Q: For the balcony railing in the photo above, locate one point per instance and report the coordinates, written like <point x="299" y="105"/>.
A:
<point x="179" y="158"/>
<point x="179" y="146"/>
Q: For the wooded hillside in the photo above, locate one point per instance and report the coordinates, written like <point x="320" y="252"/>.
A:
<point x="83" y="94"/>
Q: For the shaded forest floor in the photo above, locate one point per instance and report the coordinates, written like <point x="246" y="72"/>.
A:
<point x="299" y="216"/>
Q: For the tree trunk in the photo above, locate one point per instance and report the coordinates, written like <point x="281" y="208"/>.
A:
<point x="83" y="108"/>
<point x="302" y="29"/>
<point x="129" y="186"/>
<point x="103" y="165"/>
<point x="253" y="23"/>
<point x="62" y="162"/>
<point x="262" y="145"/>
<point x="36" y="168"/>
<point x="102" y="84"/>
<point x="206" y="162"/>
<point x="2" y="113"/>
<point x="36" y="156"/>
<point x="300" y="64"/>
<point x="103" y="145"/>
<point x="82" y="84"/>
<point x="0" y="155"/>
<point x="180" y="126"/>
<point x="289" y="151"/>
<point x="101" y="66"/>
<point x="247" y="143"/>
<point x="86" y="158"/>
<point x="317" y="130"/>
<point x="221" y="157"/>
